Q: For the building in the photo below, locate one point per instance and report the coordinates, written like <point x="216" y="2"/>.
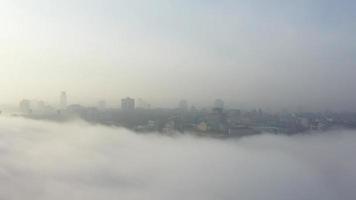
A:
<point x="219" y="104"/>
<point x="202" y="126"/>
<point x="25" y="106"/>
<point x="142" y="104"/>
<point x="128" y="104"/>
<point x="63" y="100"/>
<point x="183" y="105"/>
<point x="102" y="105"/>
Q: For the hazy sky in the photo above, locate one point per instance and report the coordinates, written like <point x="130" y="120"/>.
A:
<point x="260" y="53"/>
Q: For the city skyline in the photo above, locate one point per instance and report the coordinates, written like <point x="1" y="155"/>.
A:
<point x="258" y="54"/>
<point x="138" y="102"/>
<point x="177" y="99"/>
<point x="63" y="102"/>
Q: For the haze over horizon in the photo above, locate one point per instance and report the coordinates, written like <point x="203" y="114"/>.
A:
<point x="271" y="54"/>
<point x="258" y="98"/>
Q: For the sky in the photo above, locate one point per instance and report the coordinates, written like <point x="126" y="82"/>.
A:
<point x="76" y="160"/>
<point x="271" y="54"/>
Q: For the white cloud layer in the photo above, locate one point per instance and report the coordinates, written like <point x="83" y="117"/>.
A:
<point x="50" y="161"/>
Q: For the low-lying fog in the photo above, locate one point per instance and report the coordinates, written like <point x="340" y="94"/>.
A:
<point x="55" y="161"/>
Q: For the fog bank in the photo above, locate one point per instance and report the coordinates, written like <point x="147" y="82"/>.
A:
<point x="50" y="161"/>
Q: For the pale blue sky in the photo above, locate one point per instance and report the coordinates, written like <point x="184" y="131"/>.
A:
<point x="267" y="53"/>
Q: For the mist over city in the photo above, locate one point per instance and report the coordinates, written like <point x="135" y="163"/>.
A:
<point x="177" y="99"/>
<point x="76" y="160"/>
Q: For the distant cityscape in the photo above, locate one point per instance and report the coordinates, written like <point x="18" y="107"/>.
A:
<point x="214" y="121"/>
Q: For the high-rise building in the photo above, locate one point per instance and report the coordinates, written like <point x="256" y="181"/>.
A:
<point x="142" y="104"/>
<point x="25" y="106"/>
<point x="219" y="104"/>
<point x="63" y="100"/>
<point x="183" y="105"/>
<point x="102" y="105"/>
<point x="128" y="104"/>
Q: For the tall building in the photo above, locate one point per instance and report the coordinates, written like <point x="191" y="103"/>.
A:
<point x="128" y="104"/>
<point x="102" y="105"/>
<point x="142" y="104"/>
<point x="25" y="106"/>
<point x="63" y="100"/>
<point x="219" y="104"/>
<point x="183" y="105"/>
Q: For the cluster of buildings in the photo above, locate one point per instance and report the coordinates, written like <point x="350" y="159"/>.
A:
<point x="39" y="107"/>
<point x="216" y="120"/>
